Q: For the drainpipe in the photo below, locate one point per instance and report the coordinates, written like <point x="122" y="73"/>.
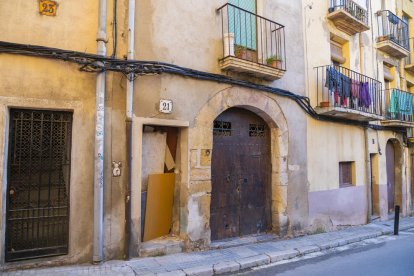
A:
<point x="98" y="181"/>
<point x="368" y="175"/>
<point x="129" y="112"/>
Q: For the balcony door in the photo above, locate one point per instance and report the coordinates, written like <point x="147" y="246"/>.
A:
<point x="242" y="22"/>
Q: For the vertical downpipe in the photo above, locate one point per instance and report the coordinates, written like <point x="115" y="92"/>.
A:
<point x="129" y="112"/>
<point x="98" y="193"/>
<point x="368" y="175"/>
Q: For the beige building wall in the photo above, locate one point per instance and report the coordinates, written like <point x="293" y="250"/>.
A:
<point x="38" y="83"/>
<point x="198" y="45"/>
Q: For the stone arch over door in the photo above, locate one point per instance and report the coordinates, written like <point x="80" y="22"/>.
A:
<point x="197" y="209"/>
<point x="394" y="165"/>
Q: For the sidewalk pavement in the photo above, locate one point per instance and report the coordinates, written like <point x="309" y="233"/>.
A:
<point x="228" y="260"/>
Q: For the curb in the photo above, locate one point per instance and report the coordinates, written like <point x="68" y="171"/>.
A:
<point x="277" y="256"/>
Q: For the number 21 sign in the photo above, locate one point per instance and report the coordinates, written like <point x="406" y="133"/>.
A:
<point x="166" y="106"/>
<point x="47" y="7"/>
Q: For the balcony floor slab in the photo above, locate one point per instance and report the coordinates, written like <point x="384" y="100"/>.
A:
<point x="251" y="68"/>
<point x="346" y="113"/>
<point x="347" y="23"/>
<point x="393" y="49"/>
<point x="397" y="123"/>
<point x="410" y="68"/>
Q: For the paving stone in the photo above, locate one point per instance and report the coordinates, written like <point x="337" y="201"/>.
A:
<point x="277" y="256"/>
<point x="243" y="252"/>
<point x="308" y="249"/>
<point x="199" y="271"/>
<point x="328" y="245"/>
<point x="254" y="261"/>
<point x="172" y="273"/>
<point x="226" y="267"/>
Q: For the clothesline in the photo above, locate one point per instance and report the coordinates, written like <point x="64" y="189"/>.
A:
<point x="344" y="88"/>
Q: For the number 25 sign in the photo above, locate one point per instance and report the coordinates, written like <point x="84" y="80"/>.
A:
<point x="48" y="7"/>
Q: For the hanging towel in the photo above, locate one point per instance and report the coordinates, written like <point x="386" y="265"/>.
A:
<point x="346" y="86"/>
<point x="394" y="102"/>
<point x="355" y="89"/>
<point x="364" y="95"/>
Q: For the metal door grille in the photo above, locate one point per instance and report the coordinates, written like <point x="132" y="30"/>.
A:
<point x="38" y="184"/>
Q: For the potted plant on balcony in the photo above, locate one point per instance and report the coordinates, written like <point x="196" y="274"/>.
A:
<point x="245" y="53"/>
<point x="275" y="61"/>
<point x="240" y="52"/>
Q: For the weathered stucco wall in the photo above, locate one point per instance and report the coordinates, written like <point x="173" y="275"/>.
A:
<point x="41" y="83"/>
<point x="199" y="45"/>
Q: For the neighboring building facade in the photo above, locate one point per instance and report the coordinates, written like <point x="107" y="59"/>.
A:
<point x="241" y="154"/>
<point x="366" y="41"/>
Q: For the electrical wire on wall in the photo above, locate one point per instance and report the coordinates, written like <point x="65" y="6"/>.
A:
<point x="135" y="68"/>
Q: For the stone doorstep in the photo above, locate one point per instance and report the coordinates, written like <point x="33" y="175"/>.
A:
<point x="161" y="246"/>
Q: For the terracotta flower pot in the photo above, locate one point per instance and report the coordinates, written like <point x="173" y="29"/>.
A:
<point x="324" y="104"/>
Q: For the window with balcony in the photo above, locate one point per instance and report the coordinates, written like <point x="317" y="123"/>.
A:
<point x="398" y="103"/>
<point x="251" y="43"/>
<point x="348" y="16"/>
<point x="399" y="108"/>
<point x="393" y="34"/>
<point x="344" y="93"/>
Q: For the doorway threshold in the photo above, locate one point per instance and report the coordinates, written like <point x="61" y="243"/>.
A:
<point x="161" y="246"/>
<point x="245" y="240"/>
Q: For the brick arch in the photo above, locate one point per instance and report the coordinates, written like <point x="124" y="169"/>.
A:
<point x="201" y="141"/>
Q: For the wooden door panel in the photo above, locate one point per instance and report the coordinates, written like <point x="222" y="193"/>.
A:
<point x="240" y="175"/>
<point x="390" y="160"/>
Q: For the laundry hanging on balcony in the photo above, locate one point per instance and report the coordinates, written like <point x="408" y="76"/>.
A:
<point x="348" y="91"/>
<point x="401" y="103"/>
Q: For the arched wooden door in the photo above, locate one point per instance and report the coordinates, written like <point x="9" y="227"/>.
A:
<point x="390" y="159"/>
<point x="240" y="198"/>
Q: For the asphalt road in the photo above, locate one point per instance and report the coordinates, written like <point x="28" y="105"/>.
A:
<point x="389" y="256"/>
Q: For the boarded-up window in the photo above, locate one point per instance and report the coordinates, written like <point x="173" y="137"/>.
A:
<point x="346" y="174"/>
<point x="337" y="55"/>
<point x="388" y="75"/>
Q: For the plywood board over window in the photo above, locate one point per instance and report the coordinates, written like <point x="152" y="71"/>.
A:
<point x="337" y="54"/>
